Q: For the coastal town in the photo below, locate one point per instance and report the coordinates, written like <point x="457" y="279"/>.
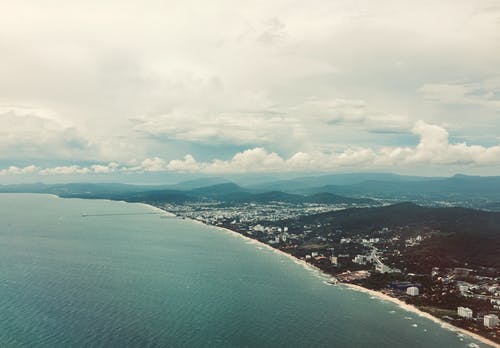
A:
<point x="388" y="259"/>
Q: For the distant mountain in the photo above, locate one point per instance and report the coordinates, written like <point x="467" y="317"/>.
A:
<point x="279" y="196"/>
<point x="458" y="187"/>
<point x="217" y="190"/>
<point x="198" y="183"/>
<point x="266" y="197"/>
<point x="303" y="183"/>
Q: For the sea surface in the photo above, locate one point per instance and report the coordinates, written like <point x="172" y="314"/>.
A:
<point x="141" y="280"/>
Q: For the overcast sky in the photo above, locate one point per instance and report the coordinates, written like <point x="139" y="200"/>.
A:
<point x="111" y="88"/>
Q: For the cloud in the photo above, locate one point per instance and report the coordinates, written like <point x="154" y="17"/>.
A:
<point x="434" y="148"/>
<point x="280" y="126"/>
<point x="77" y="169"/>
<point x="249" y="161"/>
<point x="484" y="93"/>
<point x="36" y="133"/>
<point x="95" y="82"/>
<point x="17" y="170"/>
<point x="105" y="169"/>
<point x="65" y="170"/>
<point x="155" y="164"/>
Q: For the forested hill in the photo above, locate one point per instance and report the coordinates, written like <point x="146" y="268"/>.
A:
<point x="453" y="219"/>
<point x="458" y="234"/>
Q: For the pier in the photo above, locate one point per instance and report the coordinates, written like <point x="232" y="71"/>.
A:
<point x="163" y="215"/>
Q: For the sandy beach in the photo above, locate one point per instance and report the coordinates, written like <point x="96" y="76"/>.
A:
<point x="354" y="287"/>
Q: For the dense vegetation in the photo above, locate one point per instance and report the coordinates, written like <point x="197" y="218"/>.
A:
<point x="467" y="235"/>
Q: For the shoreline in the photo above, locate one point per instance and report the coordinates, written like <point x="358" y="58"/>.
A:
<point x="412" y="309"/>
<point x="379" y="295"/>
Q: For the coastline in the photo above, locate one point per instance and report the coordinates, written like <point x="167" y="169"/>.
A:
<point x="415" y="310"/>
<point x="379" y="295"/>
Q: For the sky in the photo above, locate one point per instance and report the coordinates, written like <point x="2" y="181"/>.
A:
<point x="115" y="90"/>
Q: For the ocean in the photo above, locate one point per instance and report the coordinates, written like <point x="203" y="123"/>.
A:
<point x="135" y="279"/>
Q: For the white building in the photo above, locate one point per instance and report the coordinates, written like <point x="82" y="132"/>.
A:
<point x="464" y="288"/>
<point x="334" y="260"/>
<point x="258" y="228"/>
<point x="381" y="268"/>
<point x="490" y="320"/>
<point x="412" y="291"/>
<point x="464" y="312"/>
<point x="360" y="259"/>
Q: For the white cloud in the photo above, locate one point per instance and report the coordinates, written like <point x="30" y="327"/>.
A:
<point x="65" y="170"/>
<point x="188" y="164"/>
<point x="76" y="169"/>
<point x="105" y="169"/>
<point x="433" y="148"/>
<point x="36" y="133"/>
<point x="302" y="124"/>
<point x="17" y="170"/>
<point x="153" y="165"/>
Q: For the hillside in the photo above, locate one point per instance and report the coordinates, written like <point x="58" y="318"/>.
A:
<point x="464" y="234"/>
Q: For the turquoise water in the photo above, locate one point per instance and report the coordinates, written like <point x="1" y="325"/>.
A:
<point x="144" y="281"/>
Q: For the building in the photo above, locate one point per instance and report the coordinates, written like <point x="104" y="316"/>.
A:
<point x="334" y="260"/>
<point x="490" y="320"/>
<point x="464" y="312"/>
<point x="412" y="291"/>
<point x="258" y="228"/>
<point x="381" y="268"/>
<point x="435" y="271"/>
<point x="360" y="259"/>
